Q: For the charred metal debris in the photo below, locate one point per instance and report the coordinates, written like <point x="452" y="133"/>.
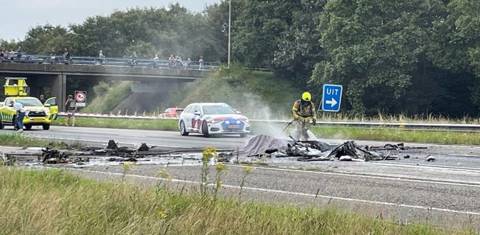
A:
<point x="314" y="150"/>
<point x="261" y="146"/>
<point x="110" y="153"/>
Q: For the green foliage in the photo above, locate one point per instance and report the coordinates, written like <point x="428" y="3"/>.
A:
<point x="393" y="57"/>
<point x="255" y="93"/>
<point x="47" y="40"/>
<point x="381" y="134"/>
<point x="159" y="124"/>
<point x="399" y="134"/>
<point x="400" y="50"/>
<point x="8" y="45"/>
<point x="20" y="140"/>
<point x="107" y="96"/>
<point x="148" y="32"/>
<point x="55" y="202"/>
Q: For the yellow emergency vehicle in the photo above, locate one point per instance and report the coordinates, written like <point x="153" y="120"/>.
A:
<point x="36" y="113"/>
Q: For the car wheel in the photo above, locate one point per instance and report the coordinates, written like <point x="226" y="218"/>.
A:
<point x="28" y="126"/>
<point x="46" y="126"/>
<point x="243" y="135"/>
<point x="205" y="129"/>
<point x="183" y="129"/>
<point x="1" y="124"/>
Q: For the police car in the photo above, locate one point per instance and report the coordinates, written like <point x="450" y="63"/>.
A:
<point x="212" y="119"/>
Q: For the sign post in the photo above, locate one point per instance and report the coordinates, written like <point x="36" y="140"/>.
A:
<point x="332" y="97"/>
<point x="80" y="98"/>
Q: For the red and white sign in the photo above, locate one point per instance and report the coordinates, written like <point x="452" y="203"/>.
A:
<point x="80" y="98"/>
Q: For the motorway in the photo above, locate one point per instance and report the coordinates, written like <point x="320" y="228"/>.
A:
<point x="444" y="192"/>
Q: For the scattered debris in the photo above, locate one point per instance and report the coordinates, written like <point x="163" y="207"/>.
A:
<point x="314" y="150"/>
<point x="53" y="156"/>
<point x="345" y="158"/>
<point x="430" y="158"/>
<point x="260" y="148"/>
<point x="112" y="145"/>
<point x="143" y="147"/>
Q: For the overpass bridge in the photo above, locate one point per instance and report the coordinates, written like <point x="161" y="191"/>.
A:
<point x="55" y="74"/>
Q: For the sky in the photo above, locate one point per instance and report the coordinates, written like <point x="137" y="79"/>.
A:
<point x="18" y="16"/>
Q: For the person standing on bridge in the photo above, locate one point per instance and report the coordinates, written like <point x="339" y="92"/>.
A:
<point x="66" y="56"/>
<point x="156" y="61"/>
<point x="304" y="115"/>
<point x="200" y="63"/>
<point x="71" y="107"/>
<point x="101" y="57"/>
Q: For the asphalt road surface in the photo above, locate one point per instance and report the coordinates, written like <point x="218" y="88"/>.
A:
<point x="444" y="192"/>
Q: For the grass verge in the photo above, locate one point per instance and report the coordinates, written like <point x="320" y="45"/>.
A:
<point x="55" y="202"/>
<point x="21" y="140"/>
<point x="156" y="124"/>
<point x="339" y="132"/>
<point x="398" y="134"/>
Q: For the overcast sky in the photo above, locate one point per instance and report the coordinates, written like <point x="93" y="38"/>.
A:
<point x="18" y="16"/>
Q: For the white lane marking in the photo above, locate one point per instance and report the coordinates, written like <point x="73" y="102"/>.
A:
<point x="382" y="177"/>
<point x="290" y="193"/>
<point x="434" y="167"/>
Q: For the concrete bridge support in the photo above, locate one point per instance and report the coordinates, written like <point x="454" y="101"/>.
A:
<point x="59" y="90"/>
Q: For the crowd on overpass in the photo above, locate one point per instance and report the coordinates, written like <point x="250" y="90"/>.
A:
<point x="9" y="55"/>
<point x="173" y="62"/>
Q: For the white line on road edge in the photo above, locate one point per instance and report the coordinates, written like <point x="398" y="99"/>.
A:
<point x="287" y="192"/>
<point x="375" y="176"/>
<point x="434" y="167"/>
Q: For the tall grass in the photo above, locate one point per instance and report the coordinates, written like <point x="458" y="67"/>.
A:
<point x="108" y="96"/>
<point x="14" y="139"/>
<point x="55" y="202"/>
<point x="398" y="118"/>
<point x="341" y="132"/>
<point x="156" y="124"/>
<point x="398" y="134"/>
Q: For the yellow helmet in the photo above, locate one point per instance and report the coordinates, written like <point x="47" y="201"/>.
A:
<point x="306" y="96"/>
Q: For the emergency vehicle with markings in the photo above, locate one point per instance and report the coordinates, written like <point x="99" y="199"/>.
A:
<point x="36" y="113"/>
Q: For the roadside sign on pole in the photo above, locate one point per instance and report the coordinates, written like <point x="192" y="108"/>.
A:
<point x="332" y="97"/>
<point x="80" y="98"/>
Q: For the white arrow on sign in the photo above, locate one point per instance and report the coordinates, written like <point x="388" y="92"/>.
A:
<point x="331" y="102"/>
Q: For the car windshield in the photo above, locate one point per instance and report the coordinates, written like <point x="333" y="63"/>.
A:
<point x="29" y="102"/>
<point x="217" y="109"/>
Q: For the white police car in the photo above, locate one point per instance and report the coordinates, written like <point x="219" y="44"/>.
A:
<point x="212" y="119"/>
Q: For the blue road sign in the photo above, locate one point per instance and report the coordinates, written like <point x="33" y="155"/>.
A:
<point x="332" y="97"/>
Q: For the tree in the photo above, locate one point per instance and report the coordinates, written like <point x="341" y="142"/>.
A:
<point x="46" y="40"/>
<point x="373" y="46"/>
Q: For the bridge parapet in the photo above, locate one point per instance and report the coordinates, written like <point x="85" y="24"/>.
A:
<point x="131" y="72"/>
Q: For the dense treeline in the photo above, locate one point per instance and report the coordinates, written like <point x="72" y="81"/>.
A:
<point x="412" y="57"/>
<point x="145" y="32"/>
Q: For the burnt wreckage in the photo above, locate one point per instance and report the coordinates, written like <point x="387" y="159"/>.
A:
<point x="260" y="146"/>
<point x="314" y="150"/>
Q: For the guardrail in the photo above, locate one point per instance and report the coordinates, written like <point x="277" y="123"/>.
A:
<point x="453" y="127"/>
<point x="111" y="61"/>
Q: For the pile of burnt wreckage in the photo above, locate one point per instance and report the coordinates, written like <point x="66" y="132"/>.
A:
<point x="260" y="146"/>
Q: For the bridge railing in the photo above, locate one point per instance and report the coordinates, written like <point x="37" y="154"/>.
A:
<point x="111" y="61"/>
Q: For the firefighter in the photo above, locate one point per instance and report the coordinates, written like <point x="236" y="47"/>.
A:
<point x="304" y="115"/>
